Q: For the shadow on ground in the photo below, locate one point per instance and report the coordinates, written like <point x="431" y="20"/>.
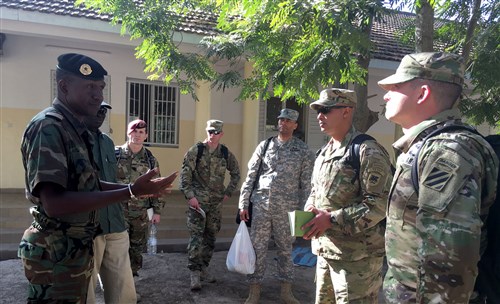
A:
<point x="165" y="279"/>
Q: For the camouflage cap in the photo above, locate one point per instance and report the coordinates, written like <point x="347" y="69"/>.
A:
<point x="439" y="66"/>
<point x="81" y="66"/>
<point x="136" y="124"/>
<point x="214" y="125"/>
<point x="332" y="97"/>
<point x="105" y="105"/>
<point x="289" y="114"/>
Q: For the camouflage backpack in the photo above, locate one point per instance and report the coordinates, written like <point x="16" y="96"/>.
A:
<point x="488" y="279"/>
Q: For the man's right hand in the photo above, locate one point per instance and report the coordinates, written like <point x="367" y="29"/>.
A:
<point x="147" y="185"/>
<point x="193" y="203"/>
<point x="244" y="215"/>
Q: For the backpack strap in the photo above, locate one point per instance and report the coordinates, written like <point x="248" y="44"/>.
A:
<point x="118" y="152"/>
<point x="225" y="151"/>
<point x="151" y="158"/>
<point x="414" y="166"/>
<point x="353" y="157"/>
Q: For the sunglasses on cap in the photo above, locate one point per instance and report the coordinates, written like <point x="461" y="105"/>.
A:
<point x="326" y="110"/>
<point x="214" y="132"/>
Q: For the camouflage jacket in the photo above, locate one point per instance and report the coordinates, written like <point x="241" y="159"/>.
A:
<point x="205" y="180"/>
<point x="285" y="176"/>
<point x="358" y="204"/>
<point x="130" y="167"/>
<point x="110" y="217"/>
<point x="55" y="149"/>
<point x="433" y="239"/>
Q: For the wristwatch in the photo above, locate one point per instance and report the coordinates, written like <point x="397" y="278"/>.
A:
<point x="332" y="218"/>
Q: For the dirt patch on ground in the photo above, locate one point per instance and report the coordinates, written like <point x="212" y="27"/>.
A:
<point x="165" y="279"/>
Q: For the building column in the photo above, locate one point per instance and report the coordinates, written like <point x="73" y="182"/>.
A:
<point x="202" y="109"/>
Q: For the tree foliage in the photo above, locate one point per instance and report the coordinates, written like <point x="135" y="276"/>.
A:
<point x="296" y="47"/>
<point x="470" y="28"/>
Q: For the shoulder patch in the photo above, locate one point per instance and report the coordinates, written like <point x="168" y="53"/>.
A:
<point x="441" y="172"/>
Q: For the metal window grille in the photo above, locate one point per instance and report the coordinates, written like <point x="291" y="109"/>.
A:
<point x="158" y="106"/>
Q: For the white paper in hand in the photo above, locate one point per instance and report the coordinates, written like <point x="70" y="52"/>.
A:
<point x="241" y="255"/>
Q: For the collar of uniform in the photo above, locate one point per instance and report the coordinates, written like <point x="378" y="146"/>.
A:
<point x="342" y="149"/>
<point x="413" y="134"/>
<point x="79" y="126"/>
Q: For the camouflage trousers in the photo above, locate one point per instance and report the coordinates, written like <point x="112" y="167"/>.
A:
<point x="264" y="224"/>
<point x="136" y="220"/>
<point x="58" y="267"/>
<point x="345" y="282"/>
<point x="203" y="233"/>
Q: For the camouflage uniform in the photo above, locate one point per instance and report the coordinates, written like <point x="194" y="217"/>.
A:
<point x="205" y="181"/>
<point x="57" y="252"/>
<point x="350" y="253"/>
<point x="283" y="186"/>
<point x="130" y="167"/>
<point x="433" y="239"/>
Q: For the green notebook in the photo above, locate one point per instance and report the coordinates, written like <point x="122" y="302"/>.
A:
<point x="297" y="219"/>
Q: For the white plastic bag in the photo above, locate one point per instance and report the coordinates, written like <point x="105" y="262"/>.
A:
<point x="241" y="256"/>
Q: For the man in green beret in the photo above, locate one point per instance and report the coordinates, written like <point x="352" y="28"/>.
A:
<point x="349" y="197"/>
<point x="63" y="184"/>
<point x="433" y="233"/>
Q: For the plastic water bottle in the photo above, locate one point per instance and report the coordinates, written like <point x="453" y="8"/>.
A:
<point x="152" y="241"/>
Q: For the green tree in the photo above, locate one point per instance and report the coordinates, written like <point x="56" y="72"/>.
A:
<point x="473" y="30"/>
<point x="295" y="47"/>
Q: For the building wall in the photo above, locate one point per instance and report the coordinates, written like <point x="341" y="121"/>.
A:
<point x="25" y="90"/>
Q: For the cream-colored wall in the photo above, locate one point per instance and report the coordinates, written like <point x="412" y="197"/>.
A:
<point x="25" y="90"/>
<point x="13" y="123"/>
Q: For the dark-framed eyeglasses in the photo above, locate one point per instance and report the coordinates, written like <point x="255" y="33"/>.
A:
<point x="102" y="111"/>
<point x="214" y="132"/>
<point x="326" y="110"/>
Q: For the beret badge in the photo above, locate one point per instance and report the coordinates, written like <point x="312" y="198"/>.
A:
<point x="85" y="69"/>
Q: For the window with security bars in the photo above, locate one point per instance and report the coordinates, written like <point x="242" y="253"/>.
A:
<point x="158" y="106"/>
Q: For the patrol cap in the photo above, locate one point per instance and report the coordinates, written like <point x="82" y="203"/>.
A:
<point x="106" y="105"/>
<point x="333" y="96"/>
<point x="439" y="66"/>
<point x="289" y="114"/>
<point x="136" y="124"/>
<point x="81" y="66"/>
<point x="214" y="125"/>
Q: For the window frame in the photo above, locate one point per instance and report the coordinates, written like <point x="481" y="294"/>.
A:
<point x="152" y="86"/>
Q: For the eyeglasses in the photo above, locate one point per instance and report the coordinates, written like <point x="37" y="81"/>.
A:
<point x="326" y="110"/>
<point x="102" y="111"/>
<point x="214" y="132"/>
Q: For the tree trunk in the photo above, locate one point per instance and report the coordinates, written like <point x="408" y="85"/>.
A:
<point x="471" y="27"/>
<point x="424" y="27"/>
<point x="364" y="118"/>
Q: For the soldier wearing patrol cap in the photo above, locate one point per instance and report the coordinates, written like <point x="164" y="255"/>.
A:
<point x="62" y="183"/>
<point x="202" y="182"/>
<point x="433" y="234"/>
<point x="282" y="186"/>
<point x="349" y="201"/>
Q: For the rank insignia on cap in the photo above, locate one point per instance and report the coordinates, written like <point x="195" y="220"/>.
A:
<point x="85" y="69"/>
